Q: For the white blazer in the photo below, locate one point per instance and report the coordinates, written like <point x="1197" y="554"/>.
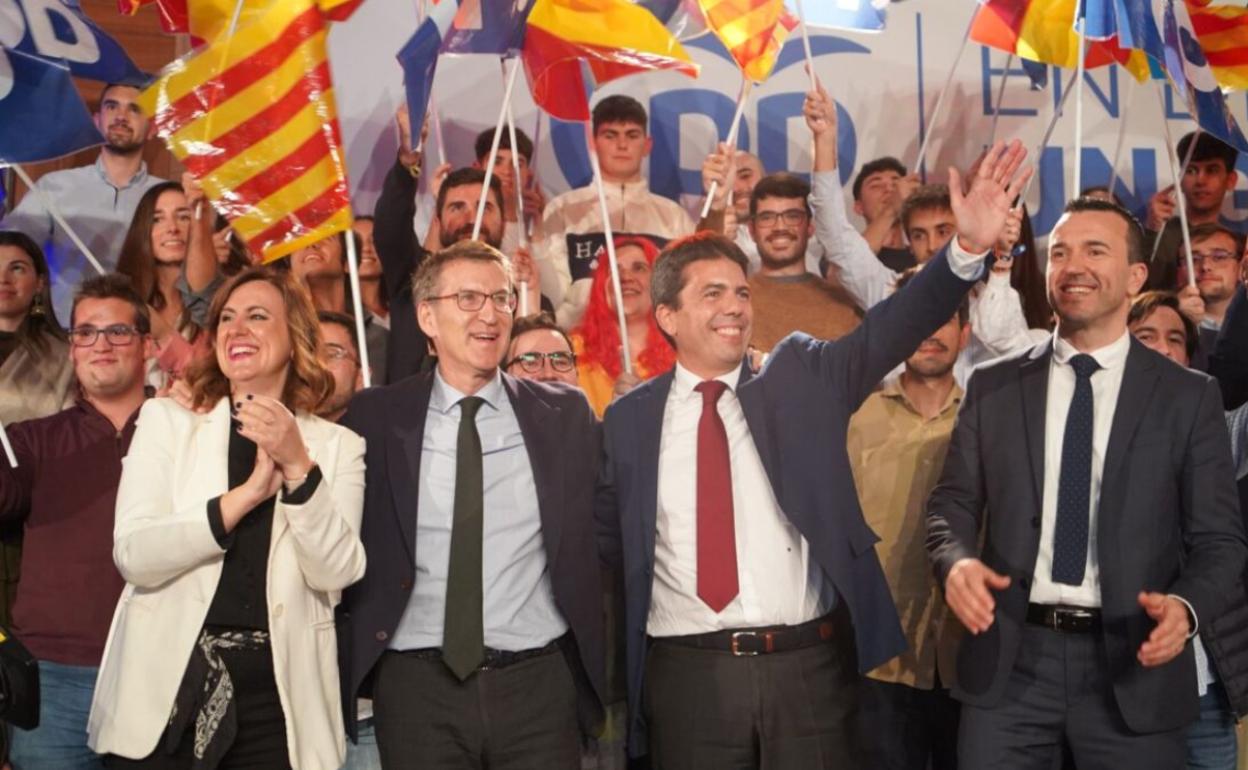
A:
<point x="165" y="550"/>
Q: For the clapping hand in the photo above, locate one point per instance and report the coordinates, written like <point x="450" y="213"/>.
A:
<point x="982" y="212"/>
<point x="270" y="424"/>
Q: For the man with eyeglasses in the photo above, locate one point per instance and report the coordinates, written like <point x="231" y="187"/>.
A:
<point x="541" y="351"/>
<point x="64" y="489"/>
<point x="339" y="353"/>
<point x="786" y="297"/>
<point x="1216" y="256"/>
<point x="477" y="629"/>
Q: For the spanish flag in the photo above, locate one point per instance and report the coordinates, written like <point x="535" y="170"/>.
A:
<point x="753" y="31"/>
<point x="252" y="117"/>
<point x="1222" y="31"/>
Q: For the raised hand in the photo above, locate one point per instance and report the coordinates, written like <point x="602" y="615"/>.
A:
<point x="717" y="170"/>
<point x="1161" y="208"/>
<point x="1170" y="635"/>
<point x="409" y="156"/>
<point x="820" y="113"/>
<point x="1010" y="235"/>
<point x="982" y="212"/>
<point x="968" y="594"/>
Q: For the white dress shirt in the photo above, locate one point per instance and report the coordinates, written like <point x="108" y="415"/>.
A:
<point x="779" y="583"/>
<point x="1106" y="383"/>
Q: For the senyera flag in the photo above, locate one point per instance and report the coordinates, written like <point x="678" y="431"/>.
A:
<point x="748" y="29"/>
<point x="612" y="38"/>
<point x="252" y="117"/>
<point x="1222" y="31"/>
<point x="206" y="20"/>
<point x="1192" y="77"/>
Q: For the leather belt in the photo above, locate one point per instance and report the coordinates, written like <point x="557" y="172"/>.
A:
<point x="757" y="641"/>
<point x="494" y="659"/>
<point x="1070" y="620"/>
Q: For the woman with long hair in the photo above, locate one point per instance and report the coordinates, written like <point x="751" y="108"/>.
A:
<point x="236" y="532"/>
<point x="596" y="342"/>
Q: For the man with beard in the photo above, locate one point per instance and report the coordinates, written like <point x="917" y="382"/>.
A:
<point x="97" y="201"/>
<point x="786" y="297"/>
<point x="1208" y="178"/>
<point x="897" y="443"/>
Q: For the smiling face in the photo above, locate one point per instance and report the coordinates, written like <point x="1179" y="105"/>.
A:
<point x="19" y="283"/>
<point x="121" y="121"/>
<point x="621" y="147"/>
<point x="1163" y="331"/>
<point x="253" y="340"/>
<point x="370" y="265"/>
<point x="1216" y="260"/>
<point x="781" y="243"/>
<point x="106" y="370"/>
<point x="929" y="230"/>
<point x="749" y="171"/>
<point x="337" y="355"/>
<point x="713" y="322"/>
<point x="322" y="259"/>
<point x="171" y="228"/>
<point x="1090" y="281"/>
<point x="542" y="341"/>
<point x="634" y="282"/>
<point x="470" y="344"/>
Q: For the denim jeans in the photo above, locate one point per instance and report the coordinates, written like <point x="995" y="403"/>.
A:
<point x="363" y="755"/>
<point x="1211" y="743"/>
<point x="60" y="740"/>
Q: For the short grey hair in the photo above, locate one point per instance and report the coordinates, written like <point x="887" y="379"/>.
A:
<point x="426" y="276"/>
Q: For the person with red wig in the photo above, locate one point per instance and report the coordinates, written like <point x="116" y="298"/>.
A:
<point x="596" y="341"/>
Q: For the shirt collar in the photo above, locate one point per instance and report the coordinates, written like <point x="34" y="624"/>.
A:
<point x="139" y="176"/>
<point x="444" y="397"/>
<point x="893" y="390"/>
<point x="1112" y="356"/>
<point x="685" y="381"/>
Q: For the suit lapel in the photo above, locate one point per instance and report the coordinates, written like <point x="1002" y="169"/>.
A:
<point x="648" y="426"/>
<point x="539" y="425"/>
<point x="403" y="445"/>
<point x="753" y="406"/>
<point x="1139" y="381"/>
<point x="1034" y="383"/>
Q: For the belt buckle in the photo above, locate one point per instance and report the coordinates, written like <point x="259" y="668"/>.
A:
<point x="736" y="649"/>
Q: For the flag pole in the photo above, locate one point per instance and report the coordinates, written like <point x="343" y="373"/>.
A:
<point x="810" y="56"/>
<point x="746" y="83"/>
<point x="612" y="261"/>
<point x="996" y="111"/>
<point x="498" y="133"/>
<point x="1122" y="138"/>
<point x="357" y="305"/>
<point x="8" y="447"/>
<point x="46" y="200"/>
<point x="1177" y="174"/>
<point x="1048" y="132"/>
<point x="940" y="100"/>
<point x="1080" y="66"/>
<point x="515" y="175"/>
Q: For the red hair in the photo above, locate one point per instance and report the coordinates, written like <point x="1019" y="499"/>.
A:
<point x="600" y="326"/>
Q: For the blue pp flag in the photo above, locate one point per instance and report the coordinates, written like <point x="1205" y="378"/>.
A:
<point x="488" y="26"/>
<point x="419" y="59"/>
<point x="55" y="122"/>
<point x="865" y="15"/>
<point x="59" y="31"/>
<point x="1189" y="70"/>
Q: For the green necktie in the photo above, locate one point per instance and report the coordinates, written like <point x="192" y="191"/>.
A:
<point x="463" y="635"/>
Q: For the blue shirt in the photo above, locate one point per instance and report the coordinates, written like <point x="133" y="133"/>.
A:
<point x="519" y="604"/>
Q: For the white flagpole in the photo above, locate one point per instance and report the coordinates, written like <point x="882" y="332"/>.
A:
<point x="498" y="133"/>
<point x="746" y="83"/>
<point x="1048" y="132"/>
<point x="996" y="111"/>
<point x="810" y="56"/>
<point x="940" y="100"/>
<point x="1122" y="138"/>
<point x="515" y="175"/>
<point x="56" y="216"/>
<point x="1177" y="174"/>
<point x="1079" y="83"/>
<point x="357" y="305"/>
<point x="8" y="448"/>
<point x="615" y="265"/>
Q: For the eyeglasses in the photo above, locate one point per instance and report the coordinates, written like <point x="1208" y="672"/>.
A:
<point x="1214" y="257"/>
<point x="532" y="362"/>
<point x="791" y="217"/>
<point x="117" y="334"/>
<point x="472" y="301"/>
<point x="338" y="353"/>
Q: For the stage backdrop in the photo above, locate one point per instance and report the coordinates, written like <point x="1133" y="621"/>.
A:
<point x="885" y="85"/>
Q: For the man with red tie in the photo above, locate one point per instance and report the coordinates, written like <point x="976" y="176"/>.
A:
<point x="753" y="595"/>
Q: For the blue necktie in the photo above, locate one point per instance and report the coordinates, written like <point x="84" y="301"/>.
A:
<point x="1074" y="485"/>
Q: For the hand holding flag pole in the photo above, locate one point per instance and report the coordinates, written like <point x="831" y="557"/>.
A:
<point x="746" y="83"/>
<point x="517" y="183"/>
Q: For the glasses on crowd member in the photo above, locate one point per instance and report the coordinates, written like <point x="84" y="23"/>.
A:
<point x="791" y="217"/>
<point x="336" y="352"/>
<point x="117" y="334"/>
<point x="532" y="362"/>
<point x="1213" y="257"/>
<point x="471" y="301"/>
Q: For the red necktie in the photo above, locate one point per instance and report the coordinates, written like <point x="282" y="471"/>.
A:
<point x="717" y="541"/>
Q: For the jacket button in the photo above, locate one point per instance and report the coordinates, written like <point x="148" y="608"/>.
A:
<point x="382" y="636"/>
<point x="1035" y="522"/>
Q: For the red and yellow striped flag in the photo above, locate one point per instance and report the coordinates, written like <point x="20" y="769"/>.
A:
<point x="1222" y="31"/>
<point x="252" y="117"/>
<point x="748" y="29"/>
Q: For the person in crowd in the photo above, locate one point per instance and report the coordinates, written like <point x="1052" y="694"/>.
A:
<point x="322" y="268"/>
<point x="339" y="353"/>
<point x="596" y="340"/>
<point x="880" y="187"/>
<point x="571" y="228"/>
<point x="897" y="442"/>
<point x="1156" y="319"/>
<point x="477" y="630"/>
<point x="158" y="259"/>
<point x="1217" y="257"/>
<point x="1082" y="599"/>
<point x="373" y="291"/>
<point x="1208" y="177"/>
<point x="927" y="219"/>
<point x="97" y="201"/>
<point x="65" y="602"/>
<point x="1101" y="192"/>
<point x="36" y="373"/>
<point x="504" y="169"/>
<point x="752" y="589"/>
<point x="1009" y="311"/>
<point x="541" y="350"/>
<point x="236" y="530"/>
<point x="785" y="296"/>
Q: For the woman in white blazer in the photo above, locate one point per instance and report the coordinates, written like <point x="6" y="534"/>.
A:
<point x="236" y="531"/>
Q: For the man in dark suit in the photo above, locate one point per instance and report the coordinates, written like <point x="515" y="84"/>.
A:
<point x="477" y="629"/>
<point x="752" y="589"/>
<point x="1101" y="473"/>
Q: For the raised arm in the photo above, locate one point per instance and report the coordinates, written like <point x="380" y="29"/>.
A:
<point x="393" y="235"/>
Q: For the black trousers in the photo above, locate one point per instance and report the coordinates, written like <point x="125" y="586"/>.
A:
<point x="519" y="717"/>
<point x="709" y="710"/>
<point x="261" y="740"/>
<point x="1059" y="696"/>
<point x="904" y="728"/>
